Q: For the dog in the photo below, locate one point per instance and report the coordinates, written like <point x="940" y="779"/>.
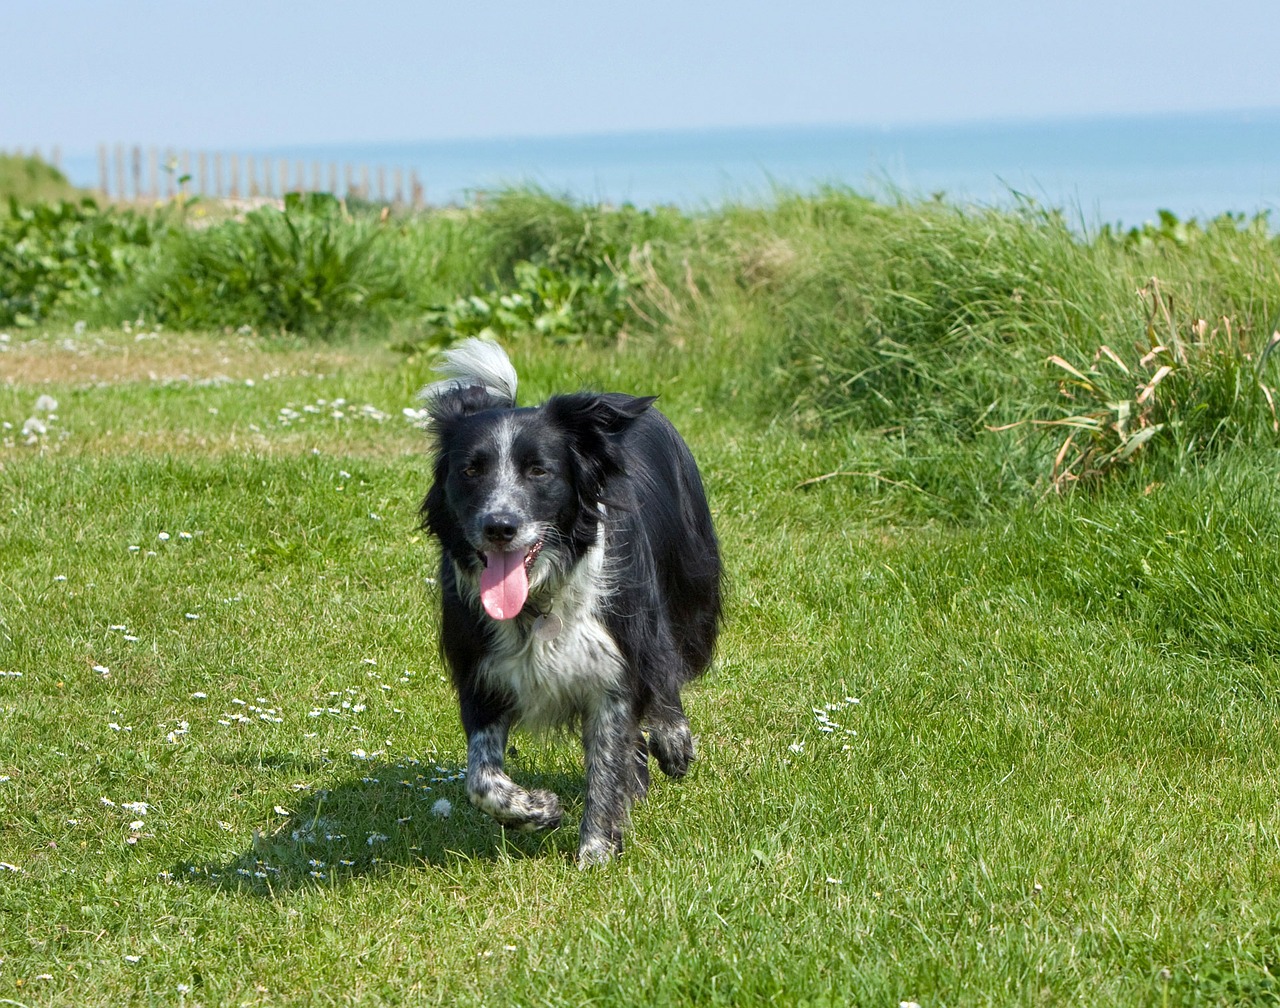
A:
<point x="580" y="584"/>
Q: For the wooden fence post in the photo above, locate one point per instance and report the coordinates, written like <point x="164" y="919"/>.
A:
<point x="137" y="172"/>
<point x="104" y="179"/>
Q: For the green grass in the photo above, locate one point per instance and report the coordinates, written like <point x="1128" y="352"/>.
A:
<point x="28" y="179"/>
<point x="1057" y="783"/>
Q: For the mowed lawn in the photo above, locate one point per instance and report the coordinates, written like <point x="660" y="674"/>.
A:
<point x="1029" y="760"/>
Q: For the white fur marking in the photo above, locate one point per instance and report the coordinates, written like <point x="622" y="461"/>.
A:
<point x="554" y="681"/>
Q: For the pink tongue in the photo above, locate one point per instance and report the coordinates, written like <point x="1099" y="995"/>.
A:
<point x="504" y="585"/>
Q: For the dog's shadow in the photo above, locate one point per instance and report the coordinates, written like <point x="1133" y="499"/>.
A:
<point x="405" y="814"/>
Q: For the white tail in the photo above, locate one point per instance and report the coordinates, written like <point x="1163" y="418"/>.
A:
<point x="474" y="362"/>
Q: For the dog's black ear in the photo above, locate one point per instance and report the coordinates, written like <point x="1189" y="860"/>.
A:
<point x="589" y="413"/>
<point x="452" y="404"/>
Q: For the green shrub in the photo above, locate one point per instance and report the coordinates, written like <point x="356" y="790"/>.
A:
<point x="558" y="269"/>
<point x="64" y="256"/>
<point x="309" y="268"/>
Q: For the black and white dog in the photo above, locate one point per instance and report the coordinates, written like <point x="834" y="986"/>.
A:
<point x="580" y="584"/>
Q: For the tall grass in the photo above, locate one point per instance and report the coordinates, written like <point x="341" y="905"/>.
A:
<point x="942" y="334"/>
<point x="965" y="358"/>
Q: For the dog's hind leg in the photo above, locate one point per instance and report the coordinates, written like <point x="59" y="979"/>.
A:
<point x="670" y="739"/>
<point x="611" y="741"/>
<point x="493" y="792"/>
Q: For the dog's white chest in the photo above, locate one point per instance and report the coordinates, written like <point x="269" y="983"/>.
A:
<point x="554" y="680"/>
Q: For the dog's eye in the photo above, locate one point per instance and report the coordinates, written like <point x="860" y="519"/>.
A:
<point x="471" y="471"/>
<point x="537" y="471"/>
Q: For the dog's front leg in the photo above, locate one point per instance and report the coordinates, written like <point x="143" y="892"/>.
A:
<point x="492" y="791"/>
<point x="610" y="735"/>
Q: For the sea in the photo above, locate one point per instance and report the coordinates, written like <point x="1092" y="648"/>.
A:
<point x="1113" y="170"/>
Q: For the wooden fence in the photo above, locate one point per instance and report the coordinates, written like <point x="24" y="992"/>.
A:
<point x="151" y="173"/>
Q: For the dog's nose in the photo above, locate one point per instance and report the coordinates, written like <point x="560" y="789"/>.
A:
<point x="500" y="528"/>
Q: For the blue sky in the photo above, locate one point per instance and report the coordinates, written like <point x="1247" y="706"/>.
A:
<point x="269" y="73"/>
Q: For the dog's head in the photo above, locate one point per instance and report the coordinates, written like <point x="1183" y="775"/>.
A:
<point x="517" y="493"/>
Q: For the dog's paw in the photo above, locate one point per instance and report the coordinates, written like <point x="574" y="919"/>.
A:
<point x="542" y="810"/>
<point x="516" y="808"/>
<point x="597" y="850"/>
<point x="672" y="746"/>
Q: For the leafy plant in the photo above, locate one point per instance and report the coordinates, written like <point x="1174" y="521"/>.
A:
<point x="562" y="306"/>
<point x="58" y="255"/>
<point x="309" y="268"/>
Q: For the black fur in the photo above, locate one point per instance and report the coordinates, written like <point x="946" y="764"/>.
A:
<point x="605" y="497"/>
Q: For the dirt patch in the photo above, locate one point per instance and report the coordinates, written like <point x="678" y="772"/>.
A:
<point x="91" y="361"/>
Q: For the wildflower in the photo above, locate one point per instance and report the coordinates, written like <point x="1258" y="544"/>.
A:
<point x="163" y="537"/>
<point x="132" y="958"/>
<point x="33" y="428"/>
<point x="377" y="838"/>
<point x="442" y="808"/>
<point x="102" y="670"/>
<point x="136" y="807"/>
<point x="46" y="404"/>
